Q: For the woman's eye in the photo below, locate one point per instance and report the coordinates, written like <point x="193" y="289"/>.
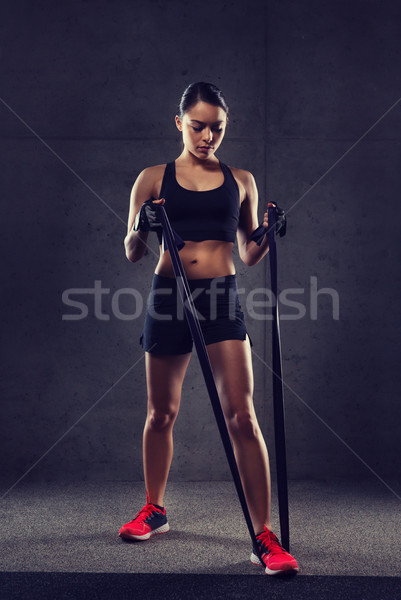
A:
<point x="200" y="129"/>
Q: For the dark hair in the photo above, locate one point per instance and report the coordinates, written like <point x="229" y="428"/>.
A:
<point x="204" y="92"/>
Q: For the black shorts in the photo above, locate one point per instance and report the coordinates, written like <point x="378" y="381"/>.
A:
<point x="216" y="300"/>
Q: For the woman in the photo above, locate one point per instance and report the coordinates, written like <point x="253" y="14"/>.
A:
<point x="208" y="204"/>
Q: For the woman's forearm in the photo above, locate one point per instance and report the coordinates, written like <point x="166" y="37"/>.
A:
<point x="255" y="253"/>
<point x="135" y="245"/>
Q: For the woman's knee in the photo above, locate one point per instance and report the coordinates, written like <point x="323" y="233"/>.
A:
<point x="243" y="425"/>
<point x="161" y="420"/>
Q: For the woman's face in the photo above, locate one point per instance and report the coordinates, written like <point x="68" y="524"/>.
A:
<point x="203" y="127"/>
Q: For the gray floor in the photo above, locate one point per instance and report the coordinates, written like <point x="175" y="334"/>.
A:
<point x="337" y="528"/>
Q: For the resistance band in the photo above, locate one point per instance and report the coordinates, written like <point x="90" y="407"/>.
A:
<point x="197" y="335"/>
<point x="147" y="220"/>
<point x="278" y="396"/>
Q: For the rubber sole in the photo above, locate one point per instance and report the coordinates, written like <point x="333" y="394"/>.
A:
<point x="141" y="538"/>
<point x="256" y="561"/>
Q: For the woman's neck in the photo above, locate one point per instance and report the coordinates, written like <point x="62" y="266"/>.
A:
<point x="188" y="159"/>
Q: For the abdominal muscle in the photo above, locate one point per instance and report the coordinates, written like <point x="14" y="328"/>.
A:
<point x="201" y="260"/>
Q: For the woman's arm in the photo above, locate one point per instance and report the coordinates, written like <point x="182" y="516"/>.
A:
<point x="143" y="188"/>
<point x="250" y="253"/>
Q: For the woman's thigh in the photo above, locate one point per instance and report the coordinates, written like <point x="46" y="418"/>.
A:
<point x="164" y="377"/>
<point x="231" y="362"/>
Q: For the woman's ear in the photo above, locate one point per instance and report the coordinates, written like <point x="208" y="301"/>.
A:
<point x="178" y="122"/>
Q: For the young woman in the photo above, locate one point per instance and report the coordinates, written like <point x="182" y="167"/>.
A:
<point x="209" y="205"/>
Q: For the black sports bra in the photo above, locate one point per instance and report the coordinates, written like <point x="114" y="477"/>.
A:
<point x="204" y="215"/>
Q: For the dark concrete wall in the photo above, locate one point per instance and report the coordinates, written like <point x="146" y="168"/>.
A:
<point x="88" y="97"/>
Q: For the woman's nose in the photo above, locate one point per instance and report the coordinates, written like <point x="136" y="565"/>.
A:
<point x="207" y="135"/>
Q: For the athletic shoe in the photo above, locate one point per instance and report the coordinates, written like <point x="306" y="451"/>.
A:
<point x="148" y="521"/>
<point x="276" y="559"/>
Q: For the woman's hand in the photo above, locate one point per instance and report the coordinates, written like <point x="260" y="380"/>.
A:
<point x="148" y="218"/>
<point x="265" y="216"/>
<point x="281" y="221"/>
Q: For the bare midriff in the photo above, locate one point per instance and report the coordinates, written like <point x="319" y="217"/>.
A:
<point x="201" y="260"/>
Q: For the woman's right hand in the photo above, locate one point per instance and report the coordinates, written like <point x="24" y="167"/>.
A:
<point x="148" y="218"/>
<point x="135" y="242"/>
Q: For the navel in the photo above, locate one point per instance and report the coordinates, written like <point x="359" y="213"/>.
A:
<point x="194" y="261"/>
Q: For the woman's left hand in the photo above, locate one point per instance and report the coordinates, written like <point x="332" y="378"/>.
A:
<point x="265" y="216"/>
<point x="281" y="221"/>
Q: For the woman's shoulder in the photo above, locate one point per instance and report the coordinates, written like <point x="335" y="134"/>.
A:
<point x="242" y="174"/>
<point x="151" y="178"/>
<point x="244" y="179"/>
<point x="153" y="172"/>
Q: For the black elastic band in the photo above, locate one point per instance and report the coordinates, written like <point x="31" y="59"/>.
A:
<point x="278" y="395"/>
<point x="197" y="335"/>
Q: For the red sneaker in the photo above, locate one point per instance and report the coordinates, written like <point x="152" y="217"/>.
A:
<point x="148" y="521"/>
<point x="276" y="559"/>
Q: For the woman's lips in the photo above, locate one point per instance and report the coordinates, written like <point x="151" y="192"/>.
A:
<point x="205" y="148"/>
